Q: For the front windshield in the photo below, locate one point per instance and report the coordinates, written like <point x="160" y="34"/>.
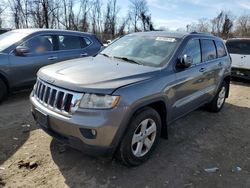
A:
<point x="145" y="50"/>
<point x="10" y="38"/>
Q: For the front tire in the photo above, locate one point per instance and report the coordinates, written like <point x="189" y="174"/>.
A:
<point x="141" y="138"/>
<point x="219" y="100"/>
<point x="3" y="91"/>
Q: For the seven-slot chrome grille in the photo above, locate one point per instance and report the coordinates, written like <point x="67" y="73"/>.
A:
<point x="59" y="100"/>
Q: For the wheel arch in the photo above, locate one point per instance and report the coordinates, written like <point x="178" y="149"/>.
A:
<point x="5" y="80"/>
<point x="227" y="79"/>
<point x="158" y="105"/>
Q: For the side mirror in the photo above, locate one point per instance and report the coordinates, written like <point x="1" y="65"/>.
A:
<point x="21" y="50"/>
<point x="185" y="61"/>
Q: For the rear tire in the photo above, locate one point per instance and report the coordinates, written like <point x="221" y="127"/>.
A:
<point x="3" y="90"/>
<point x="219" y="100"/>
<point x="141" y="138"/>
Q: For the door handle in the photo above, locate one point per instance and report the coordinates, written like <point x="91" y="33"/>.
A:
<point x="84" y="54"/>
<point x="202" y="70"/>
<point x="52" y="58"/>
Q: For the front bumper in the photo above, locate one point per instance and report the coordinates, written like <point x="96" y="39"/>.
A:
<point x="69" y="130"/>
<point x="240" y="73"/>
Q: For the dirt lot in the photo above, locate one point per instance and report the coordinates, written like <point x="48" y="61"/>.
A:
<point x="198" y="141"/>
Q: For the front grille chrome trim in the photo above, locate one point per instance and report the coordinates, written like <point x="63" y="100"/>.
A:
<point x="49" y="96"/>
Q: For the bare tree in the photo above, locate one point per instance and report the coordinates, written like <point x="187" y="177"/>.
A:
<point x="20" y="13"/>
<point x="222" y="24"/>
<point x="146" y="22"/>
<point x="121" y="29"/>
<point x="1" y="12"/>
<point x="227" y="27"/>
<point x="137" y="9"/>
<point x="243" y="26"/>
<point x="83" y="13"/>
<point x="202" y="26"/>
<point x="96" y="16"/>
<point x="110" y="19"/>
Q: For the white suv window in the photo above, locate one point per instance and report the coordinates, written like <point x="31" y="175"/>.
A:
<point x="239" y="46"/>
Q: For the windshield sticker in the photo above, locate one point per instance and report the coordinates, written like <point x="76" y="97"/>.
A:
<point x="165" y="39"/>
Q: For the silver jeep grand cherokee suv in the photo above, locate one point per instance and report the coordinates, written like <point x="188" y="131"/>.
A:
<point x="122" y="100"/>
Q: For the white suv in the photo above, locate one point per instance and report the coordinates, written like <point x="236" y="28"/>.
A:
<point x="239" y="50"/>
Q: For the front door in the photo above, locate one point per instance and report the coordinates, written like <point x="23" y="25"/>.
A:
<point x="23" y="68"/>
<point x="190" y="82"/>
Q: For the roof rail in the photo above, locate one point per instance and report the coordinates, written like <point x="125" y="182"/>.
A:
<point x="204" y="33"/>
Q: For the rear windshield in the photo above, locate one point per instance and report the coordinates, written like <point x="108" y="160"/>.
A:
<point x="238" y="47"/>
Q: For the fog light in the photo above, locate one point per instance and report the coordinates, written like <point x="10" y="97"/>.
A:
<point x="88" y="133"/>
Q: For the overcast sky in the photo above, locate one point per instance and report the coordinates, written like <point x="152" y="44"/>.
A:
<point x="175" y="14"/>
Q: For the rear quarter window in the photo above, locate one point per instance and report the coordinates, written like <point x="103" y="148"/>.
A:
<point x="221" y="51"/>
<point x="238" y="46"/>
<point x="208" y="50"/>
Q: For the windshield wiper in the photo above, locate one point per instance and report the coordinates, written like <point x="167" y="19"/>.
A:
<point x="128" y="59"/>
<point x="106" y="55"/>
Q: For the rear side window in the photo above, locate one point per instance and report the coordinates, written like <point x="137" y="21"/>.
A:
<point x="238" y="46"/>
<point x="67" y="42"/>
<point x="208" y="50"/>
<point x="193" y="49"/>
<point x="221" y="51"/>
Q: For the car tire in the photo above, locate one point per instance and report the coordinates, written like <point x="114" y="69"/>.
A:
<point x="218" y="102"/>
<point x="3" y="90"/>
<point x="141" y="137"/>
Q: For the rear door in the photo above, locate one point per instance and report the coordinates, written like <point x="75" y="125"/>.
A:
<point x="41" y="53"/>
<point x="73" y="46"/>
<point x="223" y="60"/>
<point x="211" y="68"/>
<point x="239" y="50"/>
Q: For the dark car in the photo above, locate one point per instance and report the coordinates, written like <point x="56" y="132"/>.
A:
<point x="23" y="52"/>
<point x="3" y="30"/>
<point x="122" y="100"/>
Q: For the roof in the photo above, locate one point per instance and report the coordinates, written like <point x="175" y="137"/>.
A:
<point x="34" y="30"/>
<point x="238" y="39"/>
<point x="171" y="34"/>
<point x="162" y="33"/>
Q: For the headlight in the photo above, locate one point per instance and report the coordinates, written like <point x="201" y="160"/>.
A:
<point x="97" y="101"/>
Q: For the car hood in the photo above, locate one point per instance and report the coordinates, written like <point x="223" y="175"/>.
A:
<point x="95" y="74"/>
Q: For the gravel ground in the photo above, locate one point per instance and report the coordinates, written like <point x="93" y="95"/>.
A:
<point x="201" y="140"/>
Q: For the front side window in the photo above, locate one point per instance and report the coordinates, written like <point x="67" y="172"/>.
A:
<point x="193" y="49"/>
<point x="67" y="42"/>
<point x="208" y="50"/>
<point x="145" y="50"/>
<point x="238" y="46"/>
<point x="39" y="44"/>
<point x="221" y="51"/>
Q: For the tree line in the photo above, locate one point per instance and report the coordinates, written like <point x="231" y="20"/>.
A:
<point x="83" y="15"/>
<point x="105" y="20"/>
<point x="224" y="25"/>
